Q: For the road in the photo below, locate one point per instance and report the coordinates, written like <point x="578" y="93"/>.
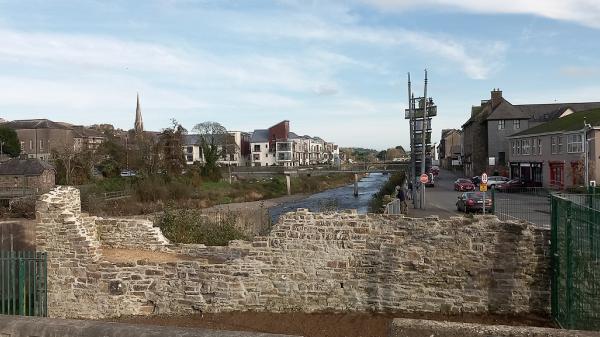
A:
<point x="441" y="199"/>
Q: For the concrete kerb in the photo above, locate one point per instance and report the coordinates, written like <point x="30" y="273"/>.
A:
<point x="19" y="326"/>
<point x="402" y="327"/>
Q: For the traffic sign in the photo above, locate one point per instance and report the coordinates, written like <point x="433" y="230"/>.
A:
<point x="424" y="178"/>
<point x="482" y="187"/>
<point x="484" y="178"/>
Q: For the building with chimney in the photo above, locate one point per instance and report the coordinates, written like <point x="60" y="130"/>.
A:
<point x="486" y="133"/>
<point x="450" y="148"/>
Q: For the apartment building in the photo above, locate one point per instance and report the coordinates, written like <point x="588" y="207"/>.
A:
<point x="278" y="146"/>
<point x="237" y="141"/>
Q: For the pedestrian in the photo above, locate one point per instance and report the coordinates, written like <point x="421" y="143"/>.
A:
<point x="402" y="197"/>
<point x="410" y="190"/>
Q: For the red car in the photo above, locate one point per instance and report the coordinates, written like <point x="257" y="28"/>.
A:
<point x="463" y="184"/>
<point x="473" y="202"/>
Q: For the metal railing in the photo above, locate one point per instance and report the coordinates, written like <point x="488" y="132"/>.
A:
<point x="23" y="285"/>
<point x="395" y="207"/>
<point x="575" y="249"/>
<point x="531" y="204"/>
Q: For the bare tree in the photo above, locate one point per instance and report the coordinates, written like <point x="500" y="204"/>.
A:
<point x="215" y="143"/>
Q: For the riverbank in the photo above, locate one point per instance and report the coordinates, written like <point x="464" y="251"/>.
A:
<point x="154" y="194"/>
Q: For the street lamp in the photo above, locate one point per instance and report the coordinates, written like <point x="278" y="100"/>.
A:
<point x="586" y="128"/>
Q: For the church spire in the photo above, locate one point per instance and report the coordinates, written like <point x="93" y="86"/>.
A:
<point x="139" y="125"/>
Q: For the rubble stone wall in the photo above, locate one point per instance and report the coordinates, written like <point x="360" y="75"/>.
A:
<point x="309" y="262"/>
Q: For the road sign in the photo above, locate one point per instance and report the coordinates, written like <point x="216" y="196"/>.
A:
<point x="484" y="178"/>
<point x="482" y="187"/>
<point x="424" y="178"/>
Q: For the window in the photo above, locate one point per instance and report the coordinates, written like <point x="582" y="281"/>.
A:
<point x="574" y="143"/>
<point x="22" y="146"/>
<point x="553" y="145"/>
<point x="513" y="147"/>
<point x="517" y="124"/>
<point x="560" y="144"/>
<point x="189" y="158"/>
<point x="256" y="148"/>
<point x="41" y="144"/>
<point x="519" y="141"/>
<point x="501" y="124"/>
<point x="539" y="140"/>
<point x="535" y="147"/>
<point x="190" y="149"/>
<point x="526" y="147"/>
<point x="256" y="156"/>
<point x="31" y="144"/>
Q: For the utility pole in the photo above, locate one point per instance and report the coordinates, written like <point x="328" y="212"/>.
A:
<point x="424" y="140"/>
<point x="412" y="141"/>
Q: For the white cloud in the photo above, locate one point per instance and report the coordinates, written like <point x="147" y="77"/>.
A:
<point x="580" y="71"/>
<point x="326" y="90"/>
<point x="477" y="59"/>
<point x="585" y="12"/>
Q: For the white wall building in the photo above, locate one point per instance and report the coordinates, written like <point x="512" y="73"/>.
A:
<point x="193" y="152"/>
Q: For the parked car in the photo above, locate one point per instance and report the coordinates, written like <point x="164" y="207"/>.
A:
<point x="463" y="184"/>
<point x="517" y="185"/>
<point x="473" y="202"/>
<point x="128" y="173"/>
<point x="435" y="170"/>
<point x="494" y="181"/>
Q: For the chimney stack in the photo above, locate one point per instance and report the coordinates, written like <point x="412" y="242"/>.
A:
<point x="496" y="97"/>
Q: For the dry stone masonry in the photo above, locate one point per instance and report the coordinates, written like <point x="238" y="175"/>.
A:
<point x="309" y="262"/>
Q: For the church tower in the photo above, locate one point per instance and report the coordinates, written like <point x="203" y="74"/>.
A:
<point x="139" y="125"/>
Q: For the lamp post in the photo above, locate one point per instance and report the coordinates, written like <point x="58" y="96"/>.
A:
<point x="586" y="128"/>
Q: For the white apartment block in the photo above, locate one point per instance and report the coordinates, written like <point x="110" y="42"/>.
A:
<point x="193" y="151"/>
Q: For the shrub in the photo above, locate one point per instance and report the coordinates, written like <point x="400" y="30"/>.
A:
<point x="377" y="203"/>
<point x="191" y="226"/>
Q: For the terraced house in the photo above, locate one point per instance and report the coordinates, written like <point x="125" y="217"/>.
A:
<point x="554" y="153"/>
<point x="486" y="134"/>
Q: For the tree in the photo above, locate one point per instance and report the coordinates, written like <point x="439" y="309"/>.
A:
<point x="10" y="142"/>
<point x="215" y="143"/>
<point x="170" y="142"/>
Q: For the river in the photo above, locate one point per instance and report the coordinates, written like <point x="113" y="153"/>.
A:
<point x="337" y="198"/>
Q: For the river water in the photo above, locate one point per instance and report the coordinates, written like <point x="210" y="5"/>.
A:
<point x="337" y="198"/>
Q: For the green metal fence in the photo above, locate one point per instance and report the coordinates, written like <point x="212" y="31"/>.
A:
<point x="23" y="287"/>
<point x="575" y="252"/>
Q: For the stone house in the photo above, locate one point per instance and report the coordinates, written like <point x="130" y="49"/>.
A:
<point x="554" y="153"/>
<point x="485" y="134"/>
<point x="27" y="174"/>
<point x="40" y="137"/>
<point x="450" y="148"/>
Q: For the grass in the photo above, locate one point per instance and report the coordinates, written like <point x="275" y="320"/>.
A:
<point x="379" y="199"/>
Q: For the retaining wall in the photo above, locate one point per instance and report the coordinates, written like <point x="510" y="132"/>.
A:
<point x="309" y="262"/>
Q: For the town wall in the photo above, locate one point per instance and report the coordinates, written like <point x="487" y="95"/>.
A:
<point x="309" y="262"/>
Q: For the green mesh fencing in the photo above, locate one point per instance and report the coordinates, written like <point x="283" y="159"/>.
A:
<point x="575" y="251"/>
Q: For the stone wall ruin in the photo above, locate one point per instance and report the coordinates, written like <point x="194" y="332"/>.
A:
<point x="309" y="262"/>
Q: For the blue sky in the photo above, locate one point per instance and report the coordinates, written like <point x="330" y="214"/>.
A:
<point x="335" y="69"/>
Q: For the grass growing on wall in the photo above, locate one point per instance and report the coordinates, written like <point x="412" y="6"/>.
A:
<point x="377" y="203"/>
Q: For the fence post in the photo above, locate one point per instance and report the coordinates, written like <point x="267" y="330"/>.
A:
<point x="554" y="257"/>
<point x="493" y="208"/>
<point x="569" y="273"/>
<point x="21" y="275"/>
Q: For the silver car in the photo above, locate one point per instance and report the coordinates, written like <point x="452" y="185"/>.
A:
<point x="493" y="181"/>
